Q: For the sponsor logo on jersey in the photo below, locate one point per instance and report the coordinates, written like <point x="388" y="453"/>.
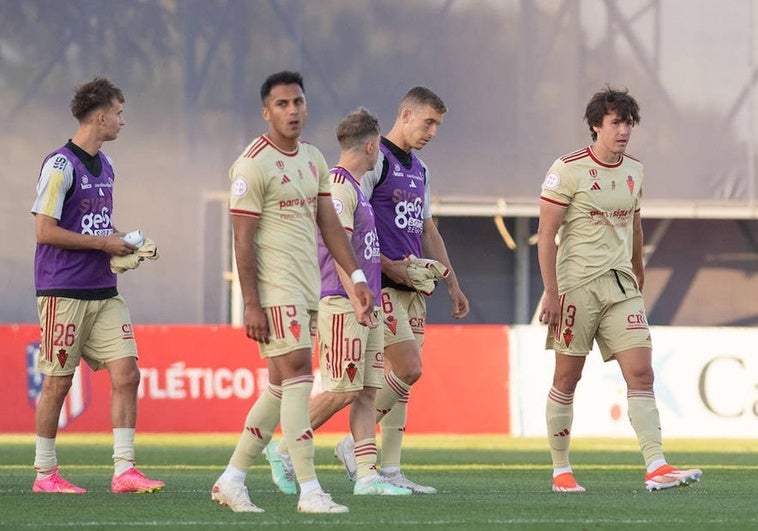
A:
<point x="84" y="185"/>
<point x="595" y="186"/>
<point x="97" y="223"/>
<point x="60" y="162"/>
<point x="78" y="398"/>
<point x="285" y="180"/>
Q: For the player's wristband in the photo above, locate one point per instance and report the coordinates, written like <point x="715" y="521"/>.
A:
<point x="358" y="276"/>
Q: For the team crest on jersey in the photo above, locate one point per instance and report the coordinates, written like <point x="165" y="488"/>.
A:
<point x="314" y="172"/>
<point x="78" y="398"/>
<point x="593" y="173"/>
<point x="280" y="164"/>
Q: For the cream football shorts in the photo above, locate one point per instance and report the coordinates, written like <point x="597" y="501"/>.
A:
<point x="350" y="354"/>
<point x="404" y="316"/>
<point x="291" y="327"/>
<point x="98" y="331"/>
<point x="609" y="310"/>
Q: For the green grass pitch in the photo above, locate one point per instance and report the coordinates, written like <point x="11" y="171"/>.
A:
<point x="484" y="482"/>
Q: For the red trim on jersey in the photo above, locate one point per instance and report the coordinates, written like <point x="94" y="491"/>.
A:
<point x="553" y="201"/>
<point x="576" y="155"/>
<point x="238" y="212"/>
<point x="603" y="164"/>
<point x="256" y="147"/>
<point x="633" y="158"/>
<point x="264" y="141"/>
<point x="325" y="194"/>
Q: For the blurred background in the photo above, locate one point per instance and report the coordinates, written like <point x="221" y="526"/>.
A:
<point x="515" y="74"/>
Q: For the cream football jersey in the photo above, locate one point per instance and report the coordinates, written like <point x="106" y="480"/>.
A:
<point x="600" y="201"/>
<point x="281" y="189"/>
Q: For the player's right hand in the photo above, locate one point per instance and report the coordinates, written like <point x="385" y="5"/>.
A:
<point x="256" y="324"/>
<point x="550" y="313"/>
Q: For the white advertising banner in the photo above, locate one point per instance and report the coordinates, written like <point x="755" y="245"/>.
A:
<point x="706" y="384"/>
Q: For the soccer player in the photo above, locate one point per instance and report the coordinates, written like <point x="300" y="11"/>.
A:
<point x="80" y="311"/>
<point x="280" y="194"/>
<point x="399" y="191"/>
<point x="593" y="281"/>
<point x="350" y="354"/>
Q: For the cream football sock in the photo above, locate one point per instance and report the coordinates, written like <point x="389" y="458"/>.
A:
<point x="260" y="423"/>
<point x="643" y="414"/>
<point x="559" y="414"/>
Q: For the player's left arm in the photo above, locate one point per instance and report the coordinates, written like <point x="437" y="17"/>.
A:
<point x="434" y="247"/>
<point x="637" y="239"/>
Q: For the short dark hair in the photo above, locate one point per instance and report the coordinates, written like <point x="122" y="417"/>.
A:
<point x="609" y="101"/>
<point x="424" y="96"/>
<point x="356" y="128"/>
<point x="96" y="94"/>
<point x="285" y="77"/>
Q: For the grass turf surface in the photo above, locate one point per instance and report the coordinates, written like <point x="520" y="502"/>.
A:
<point x="484" y="482"/>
